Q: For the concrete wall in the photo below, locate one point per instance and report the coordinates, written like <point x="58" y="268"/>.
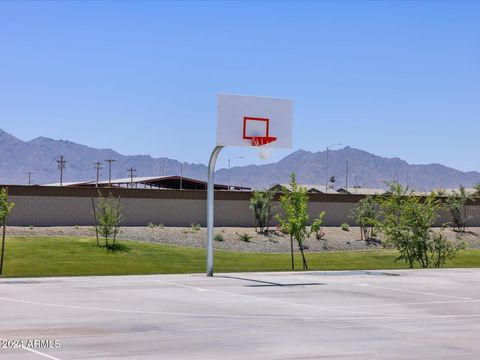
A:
<point x="56" y="206"/>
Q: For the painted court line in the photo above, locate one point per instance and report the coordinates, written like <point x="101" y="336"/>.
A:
<point x="416" y="292"/>
<point x="331" y="320"/>
<point x="36" y="352"/>
<point x="331" y="309"/>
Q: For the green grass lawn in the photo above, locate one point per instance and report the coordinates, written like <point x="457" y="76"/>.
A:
<point x="80" y="256"/>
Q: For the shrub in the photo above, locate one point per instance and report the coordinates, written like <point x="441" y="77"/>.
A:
<point x="244" y="237"/>
<point x="151" y="225"/>
<point x="365" y="215"/>
<point x="345" y="227"/>
<point x="317" y="226"/>
<point x="407" y="224"/>
<point x="456" y="205"/>
<point x="195" y="227"/>
<point x="261" y="204"/>
<point x="218" y="237"/>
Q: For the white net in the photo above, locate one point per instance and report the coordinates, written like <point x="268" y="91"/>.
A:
<point x="264" y="148"/>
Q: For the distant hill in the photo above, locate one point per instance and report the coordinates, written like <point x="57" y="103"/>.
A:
<point x="367" y="170"/>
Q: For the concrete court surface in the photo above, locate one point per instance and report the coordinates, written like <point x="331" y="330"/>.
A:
<point x="412" y="314"/>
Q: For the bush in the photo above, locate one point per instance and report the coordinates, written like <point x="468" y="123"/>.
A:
<point x="244" y="237"/>
<point x="151" y="225"/>
<point x="365" y="215"/>
<point x="407" y="224"/>
<point x="317" y="226"/>
<point x="456" y="205"/>
<point x="261" y="204"/>
<point x="195" y="227"/>
<point x="345" y="227"/>
<point x="218" y="237"/>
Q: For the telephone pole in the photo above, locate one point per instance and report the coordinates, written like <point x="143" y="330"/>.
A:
<point x="131" y="171"/>
<point x="110" y="171"/>
<point x="29" y="177"/>
<point x="98" y="167"/>
<point x="181" y="176"/>
<point x="61" y="166"/>
<point x="346" y="178"/>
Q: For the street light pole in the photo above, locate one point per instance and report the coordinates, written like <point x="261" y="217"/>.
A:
<point x="237" y="157"/>
<point x="326" y="166"/>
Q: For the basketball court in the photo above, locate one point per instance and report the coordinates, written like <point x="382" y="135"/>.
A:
<point x="421" y="314"/>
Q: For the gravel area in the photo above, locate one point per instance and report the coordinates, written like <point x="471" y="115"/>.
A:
<point x="335" y="238"/>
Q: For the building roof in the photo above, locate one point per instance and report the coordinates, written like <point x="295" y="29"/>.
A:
<point x="311" y="188"/>
<point x="159" y="182"/>
<point x="361" y="191"/>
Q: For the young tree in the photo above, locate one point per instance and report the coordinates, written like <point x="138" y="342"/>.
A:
<point x="294" y="204"/>
<point x="456" y="203"/>
<point x="5" y="209"/>
<point x="317" y="225"/>
<point x="261" y="204"/>
<point x="365" y="215"/>
<point x="407" y="221"/>
<point x="108" y="214"/>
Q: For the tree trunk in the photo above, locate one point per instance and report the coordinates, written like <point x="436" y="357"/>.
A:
<point x="96" y="222"/>
<point x="268" y="218"/>
<point x="4" y="225"/>
<point x="305" y="266"/>
<point x="291" y="252"/>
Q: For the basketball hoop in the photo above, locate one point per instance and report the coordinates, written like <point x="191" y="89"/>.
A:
<point x="264" y="145"/>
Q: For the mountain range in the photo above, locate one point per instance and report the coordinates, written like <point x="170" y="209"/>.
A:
<point x="39" y="156"/>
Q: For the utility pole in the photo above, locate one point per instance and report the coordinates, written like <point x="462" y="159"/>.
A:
<point x="164" y="168"/>
<point x="346" y="178"/>
<point x="181" y="176"/>
<point x="61" y="166"/>
<point x="131" y="171"/>
<point x="98" y="166"/>
<point x="110" y="171"/>
<point x="29" y="177"/>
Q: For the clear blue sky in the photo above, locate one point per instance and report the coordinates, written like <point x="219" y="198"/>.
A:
<point x="393" y="78"/>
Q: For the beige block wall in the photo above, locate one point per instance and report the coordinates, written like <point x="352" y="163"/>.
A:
<point x="41" y="210"/>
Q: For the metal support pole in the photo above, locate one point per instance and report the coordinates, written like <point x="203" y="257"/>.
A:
<point x="210" y="212"/>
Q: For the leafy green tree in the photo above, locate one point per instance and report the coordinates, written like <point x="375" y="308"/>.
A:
<point x="294" y="204"/>
<point x="476" y="189"/>
<point x="317" y="225"/>
<point x="108" y="214"/>
<point x="456" y="204"/>
<point x="5" y="209"/>
<point x="407" y="221"/>
<point x="261" y="204"/>
<point x="365" y="215"/>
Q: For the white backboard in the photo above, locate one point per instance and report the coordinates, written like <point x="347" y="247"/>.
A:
<point x="239" y="118"/>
